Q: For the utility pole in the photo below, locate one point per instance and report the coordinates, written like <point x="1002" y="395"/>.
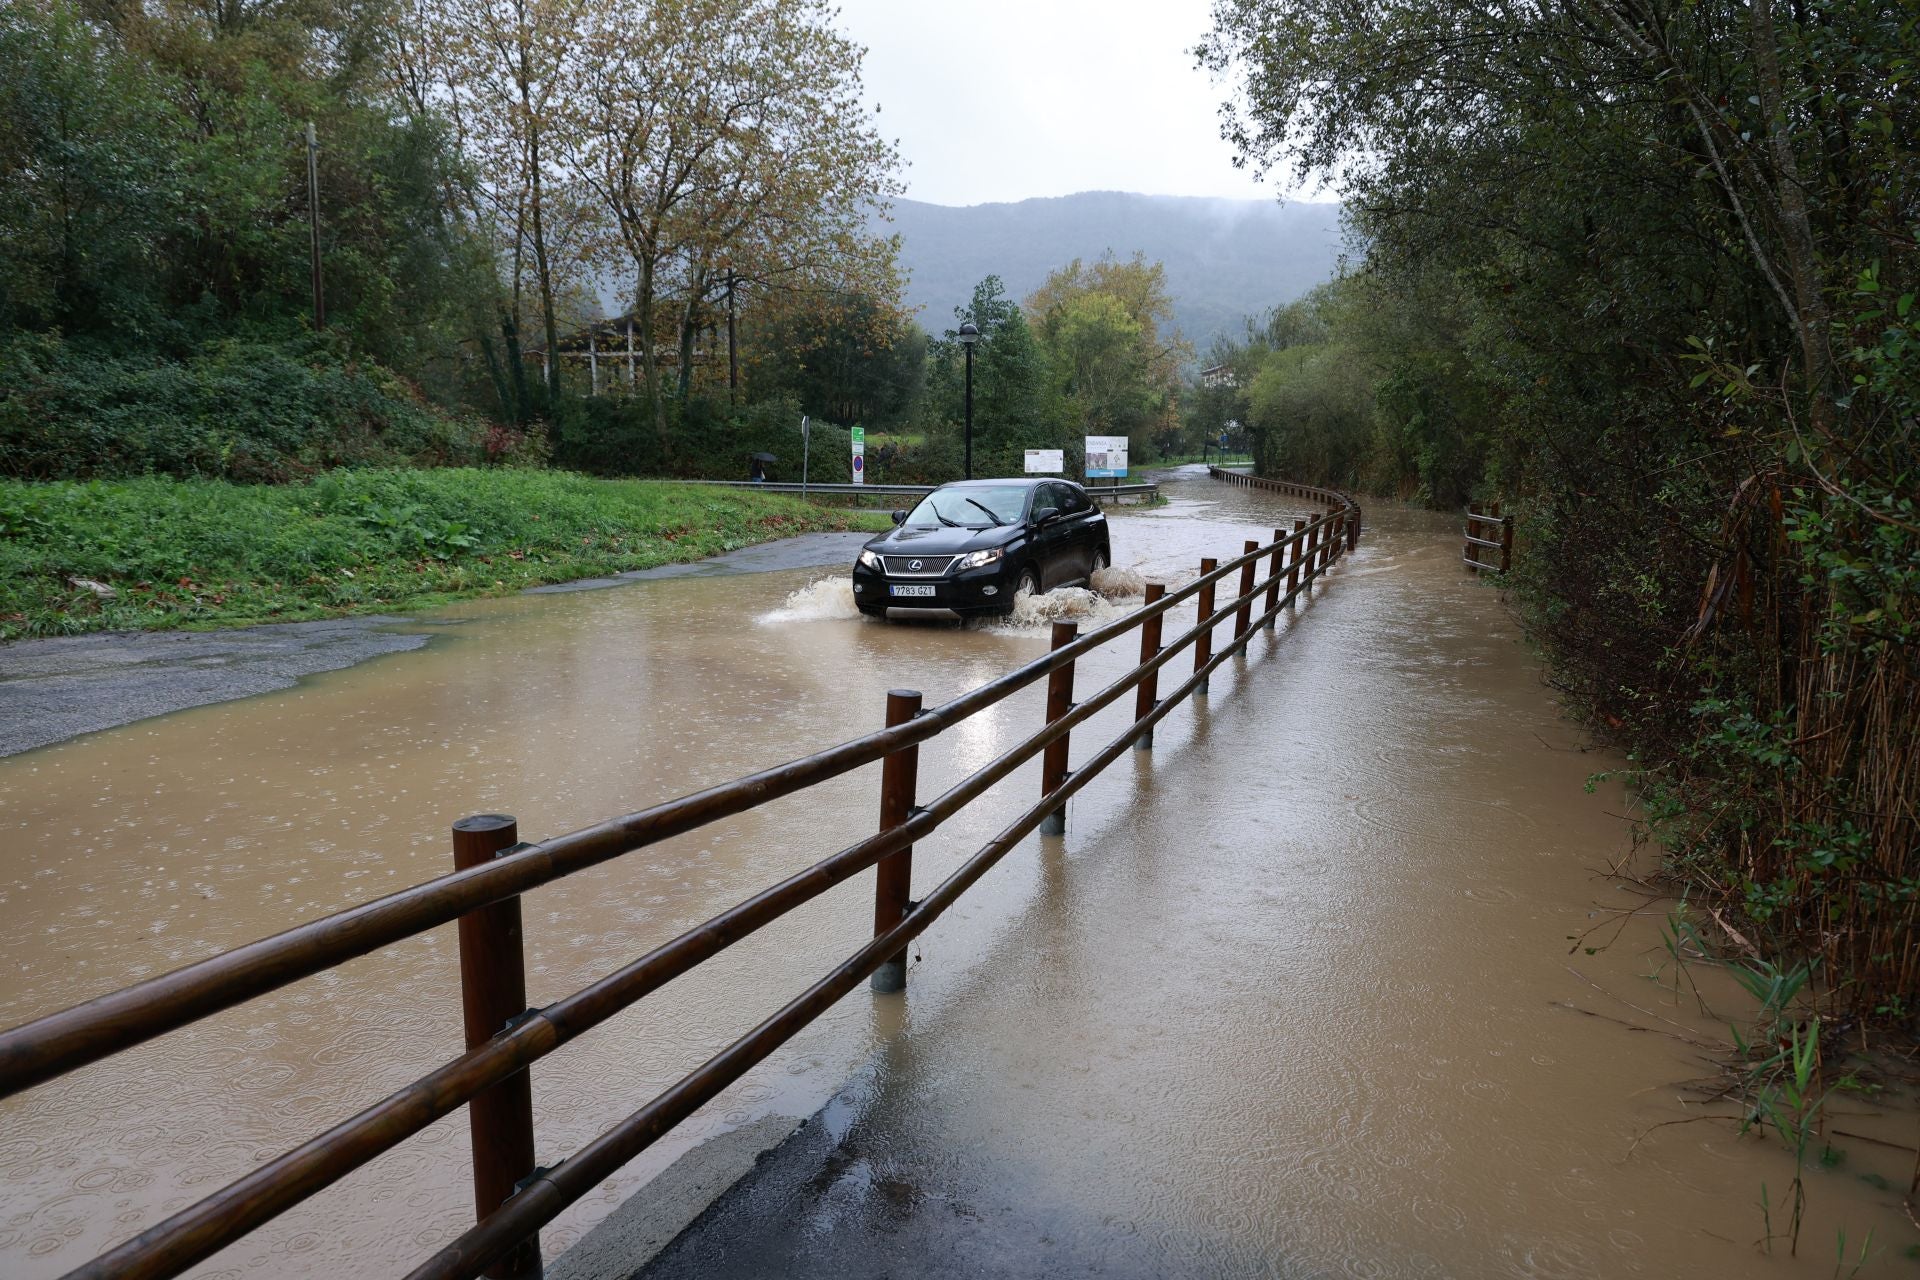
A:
<point x="733" y="361"/>
<point x="313" y="221"/>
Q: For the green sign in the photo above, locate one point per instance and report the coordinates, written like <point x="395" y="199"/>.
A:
<point x="859" y="435"/>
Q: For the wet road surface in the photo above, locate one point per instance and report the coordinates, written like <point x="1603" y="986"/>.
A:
<point x="1301" y="1009"/>
<point x="1288" y="999"/>
<point x="55" y="689"/>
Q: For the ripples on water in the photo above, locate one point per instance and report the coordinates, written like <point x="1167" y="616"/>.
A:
<point x="1277" y="1003"/>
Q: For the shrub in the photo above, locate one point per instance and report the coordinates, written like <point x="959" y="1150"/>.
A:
<point x="239" y="409"/>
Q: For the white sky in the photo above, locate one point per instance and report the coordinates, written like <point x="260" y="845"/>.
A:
<point x="1006" y="99"/>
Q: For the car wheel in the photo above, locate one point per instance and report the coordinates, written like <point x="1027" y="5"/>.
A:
<point x="1028" y="583"/>
<point x="1099" y="559"/>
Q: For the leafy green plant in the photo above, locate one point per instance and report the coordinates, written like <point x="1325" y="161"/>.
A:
<point x="1787" y="1097"/>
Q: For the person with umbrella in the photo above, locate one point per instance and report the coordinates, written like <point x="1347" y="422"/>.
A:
<point x="759" y="472"/>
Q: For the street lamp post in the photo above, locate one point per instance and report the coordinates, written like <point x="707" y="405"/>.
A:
<point x="968" y="336"/>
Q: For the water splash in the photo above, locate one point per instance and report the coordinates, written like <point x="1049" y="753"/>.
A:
<point x="831" y="600"/>
<point x="1092" y="607"/>
<point x="822" y="600"/>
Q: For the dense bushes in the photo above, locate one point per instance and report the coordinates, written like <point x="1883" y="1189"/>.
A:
<point x="617" y="435"/>
<point x="235" y="408"/>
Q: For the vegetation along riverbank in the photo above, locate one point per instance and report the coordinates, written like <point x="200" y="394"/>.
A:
<point x="1650" y="281"/>
<point x="154" y="552"/>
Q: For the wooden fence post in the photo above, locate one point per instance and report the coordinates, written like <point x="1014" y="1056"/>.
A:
<point x="493" y="991"/>
<point x="1299" y="554"/>
<point x="1146" y="694"/>
<point x="1243" y="616"/>
<point x="1053" y="761"/>
<point x="1273" y="576"/>
<point x="893" y="882"/>
<point x="1203" y="645"/>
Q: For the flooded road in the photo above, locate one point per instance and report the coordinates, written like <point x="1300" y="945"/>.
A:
<point x="1287" y="999"/>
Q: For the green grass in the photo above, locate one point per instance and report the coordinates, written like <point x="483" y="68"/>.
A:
<point x="207" y="553"/>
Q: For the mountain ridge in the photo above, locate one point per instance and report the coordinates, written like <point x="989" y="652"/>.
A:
<point x="1225" y="259"/>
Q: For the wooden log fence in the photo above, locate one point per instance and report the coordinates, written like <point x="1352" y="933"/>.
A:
<point x="514" y="1198"/>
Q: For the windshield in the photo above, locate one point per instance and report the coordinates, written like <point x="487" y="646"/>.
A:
<point x="978" y="508"/>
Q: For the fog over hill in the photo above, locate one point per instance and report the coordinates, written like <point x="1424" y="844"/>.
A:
<point x="1225" y="259"/>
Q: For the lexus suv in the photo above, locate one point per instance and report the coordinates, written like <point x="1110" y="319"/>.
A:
<point x="971" y="547"/>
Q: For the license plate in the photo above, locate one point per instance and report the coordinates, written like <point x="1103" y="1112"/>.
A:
<point x="902" y="589"/>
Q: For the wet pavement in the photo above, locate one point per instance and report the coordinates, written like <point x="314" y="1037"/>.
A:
<point x="1296" y="995"/>
<point x="60" y="688"/>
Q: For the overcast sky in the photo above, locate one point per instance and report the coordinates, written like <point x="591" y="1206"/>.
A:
<point x="1006" y="99"/>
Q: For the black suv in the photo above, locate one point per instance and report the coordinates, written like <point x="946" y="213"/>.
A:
<point x="970" y="547"/>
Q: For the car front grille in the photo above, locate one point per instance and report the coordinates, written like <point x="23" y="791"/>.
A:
<point x="917" y="566"/>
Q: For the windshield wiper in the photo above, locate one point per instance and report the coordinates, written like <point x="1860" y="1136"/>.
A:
<point x="951" y="524"/>
<point x="991" y="513"/>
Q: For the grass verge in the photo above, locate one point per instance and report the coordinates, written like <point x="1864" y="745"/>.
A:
<point x="156" y="553"/>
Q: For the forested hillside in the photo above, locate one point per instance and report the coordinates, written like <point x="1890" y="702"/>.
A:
<point x="1646" y="272"/>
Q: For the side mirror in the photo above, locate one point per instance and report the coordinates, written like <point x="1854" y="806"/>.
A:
<point x="1045" y="515"/>
<point x="899" y="517"/>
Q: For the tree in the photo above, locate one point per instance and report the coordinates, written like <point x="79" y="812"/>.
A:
<point x="724" y="138"/>
<point x="854" y="362"/>
<point x="86" y="136"/>
<point x="1109" y="330"/>
<point x="492" y="69"/>
<point x="1668" y="252"/>
<point x="1013" y="402"/>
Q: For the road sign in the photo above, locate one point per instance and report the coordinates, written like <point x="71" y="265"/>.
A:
<point x="1106" y="457"/>
<point x="859" y="437"/>
<point x="1049" y="462"/>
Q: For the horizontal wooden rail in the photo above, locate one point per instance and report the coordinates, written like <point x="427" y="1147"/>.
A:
<point x="554" y="1190"/>
<point x="62" y="1041"/>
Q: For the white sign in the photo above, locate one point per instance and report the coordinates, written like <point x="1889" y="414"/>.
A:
<point x="1106" y="456"/>
<point x="1049" y="462"/>
<point x="859" y="435"/>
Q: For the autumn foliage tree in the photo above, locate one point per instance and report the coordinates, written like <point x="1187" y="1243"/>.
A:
<point x="724" y="141"/>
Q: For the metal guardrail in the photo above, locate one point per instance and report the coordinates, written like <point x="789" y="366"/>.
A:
<point x="514" y="1199"/>
<point x="1488" y="519"/>
<point x="1138" y="489"/>
<point x="1335" y="498"/>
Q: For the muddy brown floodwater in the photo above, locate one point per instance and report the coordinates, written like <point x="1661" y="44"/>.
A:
<point x="1290" y="998"/>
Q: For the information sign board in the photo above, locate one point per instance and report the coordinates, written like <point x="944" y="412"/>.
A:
<point x="1106" y="457"/>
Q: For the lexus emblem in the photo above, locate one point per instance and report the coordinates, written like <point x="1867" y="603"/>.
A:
<point x="913" y="566"/>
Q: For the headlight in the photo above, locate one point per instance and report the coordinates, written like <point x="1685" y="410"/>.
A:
<point x="980" y="558"/>
<point x="871" y="560"/>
